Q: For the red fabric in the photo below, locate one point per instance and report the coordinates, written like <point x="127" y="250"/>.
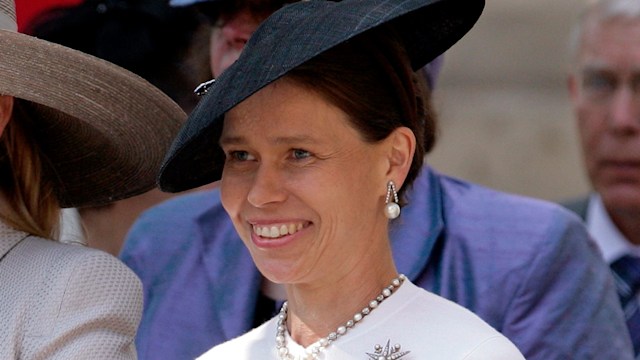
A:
<point x="26" y="10"/>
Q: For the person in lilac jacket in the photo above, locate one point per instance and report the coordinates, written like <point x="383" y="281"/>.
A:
<point x="526" y="267"/>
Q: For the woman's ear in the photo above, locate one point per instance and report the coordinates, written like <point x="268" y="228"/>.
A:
<point x="402" y="143"/>
<point x="6" y="109"/>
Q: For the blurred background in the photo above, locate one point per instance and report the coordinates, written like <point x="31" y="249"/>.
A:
<point x="505" y="117"/>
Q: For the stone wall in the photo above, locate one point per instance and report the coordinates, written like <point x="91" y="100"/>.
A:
<point x="505" y="117"/>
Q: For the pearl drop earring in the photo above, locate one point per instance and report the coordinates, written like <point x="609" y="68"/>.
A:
<point x="391" y="209"/>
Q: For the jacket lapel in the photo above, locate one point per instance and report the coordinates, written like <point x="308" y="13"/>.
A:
<point x="228" y="264"/>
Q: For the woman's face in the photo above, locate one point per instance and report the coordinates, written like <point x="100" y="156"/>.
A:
<point x="304" y="191"/>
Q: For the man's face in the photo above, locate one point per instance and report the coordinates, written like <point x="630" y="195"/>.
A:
<point x="605" y="92"/>
<point x="228" y="37"/>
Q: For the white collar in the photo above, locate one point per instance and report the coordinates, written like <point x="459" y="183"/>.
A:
<point x="609" y="239"/>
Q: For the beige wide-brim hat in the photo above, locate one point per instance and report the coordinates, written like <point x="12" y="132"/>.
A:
<point x="104" y="130"/>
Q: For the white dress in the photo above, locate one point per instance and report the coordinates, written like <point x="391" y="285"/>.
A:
<point x="424" y="324"/>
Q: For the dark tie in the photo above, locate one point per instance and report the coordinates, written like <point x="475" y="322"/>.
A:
<point x="626" y="271"/>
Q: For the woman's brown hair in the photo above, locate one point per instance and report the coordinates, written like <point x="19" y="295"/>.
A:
<point x="370" y="78"/>
<point x="33" y="206"/>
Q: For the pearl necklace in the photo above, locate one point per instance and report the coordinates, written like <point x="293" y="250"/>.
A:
<point x="313" y="351"/>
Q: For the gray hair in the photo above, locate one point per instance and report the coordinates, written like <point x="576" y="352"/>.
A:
<point x="597" y="12"/>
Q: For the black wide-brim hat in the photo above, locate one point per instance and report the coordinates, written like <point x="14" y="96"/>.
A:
<point x="292" y="36"/>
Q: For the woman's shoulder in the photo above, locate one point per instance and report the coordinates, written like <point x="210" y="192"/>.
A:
<point x="65" y="259"/>
<point x="430" y="308"/>
<point x="56" y="290"/>
<point x="78" y="269"/>
<point x="51" y="270"/>
<point x="255" y="344"/>
<point x="445" y="325"/>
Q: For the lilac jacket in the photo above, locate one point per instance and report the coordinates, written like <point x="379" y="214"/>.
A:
<point x="526" y="267"/>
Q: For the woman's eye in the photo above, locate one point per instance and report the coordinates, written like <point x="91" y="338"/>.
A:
<point x="240" y="156"/>
<point x="300" y="154"/>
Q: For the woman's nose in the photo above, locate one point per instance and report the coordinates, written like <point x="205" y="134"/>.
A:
<point x="267" y="187"/>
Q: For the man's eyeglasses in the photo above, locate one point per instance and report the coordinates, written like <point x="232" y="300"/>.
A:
<point x="602" y="85"/>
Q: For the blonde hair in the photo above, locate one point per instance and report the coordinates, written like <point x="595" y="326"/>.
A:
<point x="33" y="206"/>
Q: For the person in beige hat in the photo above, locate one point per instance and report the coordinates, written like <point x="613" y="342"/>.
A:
<point x="74" y="131"/>
<point x="167" y="46"/>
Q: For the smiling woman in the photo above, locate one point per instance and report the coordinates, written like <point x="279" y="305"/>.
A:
<point x="310" y="155"/>
<point x="298" y="175"/>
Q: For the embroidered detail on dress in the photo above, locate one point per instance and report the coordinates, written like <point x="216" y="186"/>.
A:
<point x="388" y="352"/>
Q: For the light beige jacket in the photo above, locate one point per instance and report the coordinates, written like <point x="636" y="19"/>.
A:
<point x="62" y="301"/>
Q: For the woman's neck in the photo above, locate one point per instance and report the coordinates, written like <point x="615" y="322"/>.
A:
<point x="315" y="310"/>
<point x="272" y="290"/>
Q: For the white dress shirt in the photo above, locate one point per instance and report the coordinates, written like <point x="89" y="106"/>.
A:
<point x="609" y="239"/>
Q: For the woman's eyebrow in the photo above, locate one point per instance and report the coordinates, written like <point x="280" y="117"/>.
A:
<point x="280" y="140"/>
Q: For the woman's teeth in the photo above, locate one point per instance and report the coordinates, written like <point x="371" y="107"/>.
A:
<point x="275" y="231"/>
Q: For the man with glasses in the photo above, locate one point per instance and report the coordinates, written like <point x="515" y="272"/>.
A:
<point x="604" y="86"/>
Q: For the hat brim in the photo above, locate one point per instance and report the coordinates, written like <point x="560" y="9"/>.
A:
<point x="103" y="130"/>
<point x="292" y="36"/>
<point x="183" y="3"/>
